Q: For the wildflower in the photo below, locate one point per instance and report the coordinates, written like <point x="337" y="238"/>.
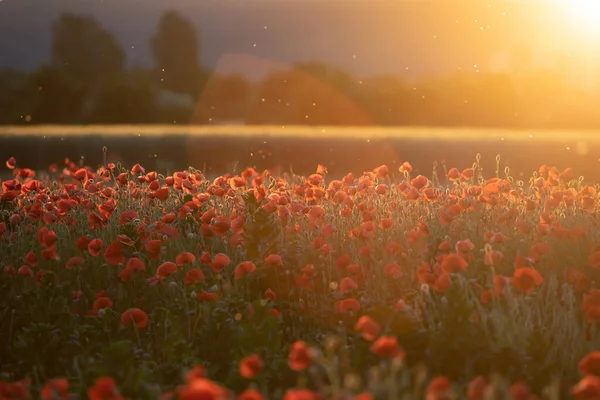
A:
<point x="94" y="247"/>
<point x="300" y="356"/>
<point x="114" y="253"/>
<point x="55" y="389"/>
<point x="454" y="263"/>
<point x="274" y="259"/>
<point x="269" y="294"/>
<point x="369" y="328"/>
<point x="347" y="285"/>
<point x="525" y="279"/>
<point x="134" y="316"/>
<point x="251" y="366"/>
<point x="102" y="302"/>
<point x="392" y="270"/>
<point x="244" y="268"/>
<point x="74" y="262"/>
<point x="250" y="394"/>
<point x="193" y="275"/>
<point x="587" y="388"/>
<point x="127" y="217"/>
<point x="590" y="364"/>
<point x="439" y="388"/>
<point x="219" y="262"/>
<point x="386" y="347"/>
<point x="347" y="306"/>
<point x="477" y="388"/>
<point x="206" y="296"/>
<point x="104" y="388"/>
<point x="166" y="269"/>
<point x="300" y="394"/>
<point x="202" y="388"/>
<point x="185" y="258"/>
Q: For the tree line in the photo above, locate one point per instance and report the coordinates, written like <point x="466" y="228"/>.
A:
<point x="87" y="81"/>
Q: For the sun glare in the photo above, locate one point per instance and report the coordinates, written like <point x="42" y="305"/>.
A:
<point x="585" y="14"/>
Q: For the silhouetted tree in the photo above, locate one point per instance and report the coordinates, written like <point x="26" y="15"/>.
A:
<point x="387" y="99"/>
<point x="224" y="98"/>
<point x="85" y="50"/>
<point x="17" y="97"/>
<point x="309" y="94"/>
<point x="124" y="102"/>
<point x="176" y="53"/>
<point x="58" y="97"/>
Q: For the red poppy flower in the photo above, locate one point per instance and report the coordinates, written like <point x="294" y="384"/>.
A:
<point x="347" y="306"/>
<point x="127" y="216"/>
<point x="104" y="388"/>
<point x="525" y="279"/>
<point x="439" y="388"/>
<point x="250" y="394"/>
<point x="587" y="388"/>
<point x="74" y="262"/>
<point x="50" y="253"/>
<point x="477" y="388"/>
<point x="184" y="258"/>
<point x="369" y="328"/>
<point x="244" y="268"/>
<point x="454" y="263"/>
<point x="95" y="246"/>
<point x="11" y="163"/>
<point x="386" y="347"/>
<point x="347" y="285"/>
<point x="134" y="316"/>
<point x="300" y="356"/>
<point x="193" y="275"/>
<point x="114" y="253"/>
<point x="204" y="389"/>
<point x="136" y="264"/>
<point x="25" y="270"/>
<point x="31" y="259"/>
<point x="269" y="294"/>
<point x="392" y="270"/>
<point x="102" y="302"/>
<point x="300" y="394"/>
<point x="219" y="262"/>
<point x="520" y="391"/>
<point x="251" y="366"/>
<point x="166" y="269"/>
<point x="274" y="259"/>
<point x="590" y="364"/>
<point x="82" y="243"/>
<point x="56" y="389"/>
<point x="206" y="296"/>
<point x="153" y="248"/>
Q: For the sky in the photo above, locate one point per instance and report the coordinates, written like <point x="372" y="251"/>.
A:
<point x="366" y="37"/>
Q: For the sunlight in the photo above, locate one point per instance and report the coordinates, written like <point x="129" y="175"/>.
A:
<point x="585" y="14"/>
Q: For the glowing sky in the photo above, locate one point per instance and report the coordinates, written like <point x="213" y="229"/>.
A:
<point x="362" y="36"/>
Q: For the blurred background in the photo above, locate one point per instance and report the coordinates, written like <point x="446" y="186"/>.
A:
<point x="487" y="65"/>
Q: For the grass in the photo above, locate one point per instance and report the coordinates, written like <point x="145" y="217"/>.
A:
<point x="123" y="283"/>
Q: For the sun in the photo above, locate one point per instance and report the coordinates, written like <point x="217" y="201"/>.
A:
<point x="585" y="14"/>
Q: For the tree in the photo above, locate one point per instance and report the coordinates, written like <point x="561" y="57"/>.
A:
<point x="85" y="50"/>
<point x="129" y="100"/>
<point x="176" y="54"/>
<point x="58" y="97"/>
<point x="16" y="96"/>
<point x="224" y="98"/>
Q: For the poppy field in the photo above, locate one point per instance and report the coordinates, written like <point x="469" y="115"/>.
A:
<point x="121" y="283"/>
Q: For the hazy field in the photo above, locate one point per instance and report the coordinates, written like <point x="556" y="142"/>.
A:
<point x="329" y="132"/>
<point x="299" y="148"/>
